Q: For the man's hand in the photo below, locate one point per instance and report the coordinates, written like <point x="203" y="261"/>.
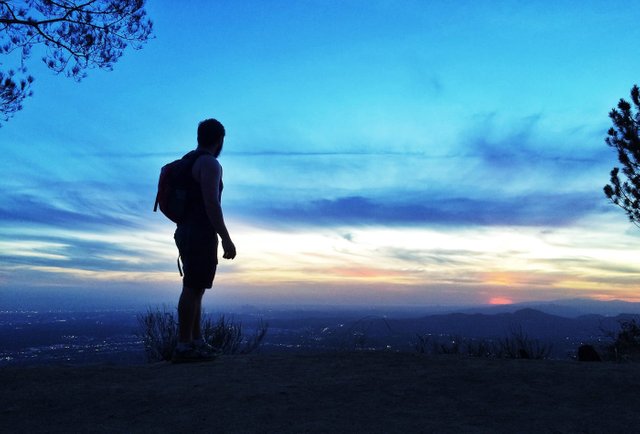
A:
<point x="229" y="249"/>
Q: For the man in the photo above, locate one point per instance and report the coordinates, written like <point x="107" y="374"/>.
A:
<point x="197" y="240"/>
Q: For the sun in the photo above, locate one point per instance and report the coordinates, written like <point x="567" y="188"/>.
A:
<point x="500" y="300"/>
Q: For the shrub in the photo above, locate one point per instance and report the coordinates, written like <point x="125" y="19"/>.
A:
<point x="453" y="345"/>
<point x="450" y="346"/>
<point x="159" y="333"/>
<point x="517" y="345"/>
<point x="362" y="334"/>
<point x="626" y="346"/>
<point x="480" y="348"/>
<point x="422" y="344"/>
<point x="158" y="330"/>
<point x="227" y="335"/>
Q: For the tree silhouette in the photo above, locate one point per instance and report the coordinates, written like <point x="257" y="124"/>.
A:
<point x="623" y="136"/>
<point x="76" y="36"/>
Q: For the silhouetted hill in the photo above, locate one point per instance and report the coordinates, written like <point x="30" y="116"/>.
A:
<point x="563" y="334"/>
<point x="534" y="323"/>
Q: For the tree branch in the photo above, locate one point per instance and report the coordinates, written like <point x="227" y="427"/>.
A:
<point x="77" y="35"/>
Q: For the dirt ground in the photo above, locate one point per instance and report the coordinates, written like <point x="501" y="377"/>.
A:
<point x="333" y="392"/>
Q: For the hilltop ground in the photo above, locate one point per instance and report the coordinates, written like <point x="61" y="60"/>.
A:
<point x="331" y="392"/>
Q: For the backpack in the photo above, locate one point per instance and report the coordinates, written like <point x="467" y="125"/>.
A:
<point x="174" y="185"/>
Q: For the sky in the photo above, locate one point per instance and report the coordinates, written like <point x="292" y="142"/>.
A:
<point x="377" y="153"/>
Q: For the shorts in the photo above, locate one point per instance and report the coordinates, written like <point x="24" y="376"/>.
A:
<point x="198" y="248"/>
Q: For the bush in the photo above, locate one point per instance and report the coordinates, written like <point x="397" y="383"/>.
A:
<point x="480" y="348"/>
<point x="454" y="345"/>
<point x="367" y="333"/>
<point x="626" y="344"/>
<point x="159" y="334"/>
<point x="227" y="336"/>
<point x="450" y="346"/>
<point x="519" y="346"/>
<point x="422" y="344"/>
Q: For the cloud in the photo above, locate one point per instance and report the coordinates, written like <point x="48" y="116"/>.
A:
<point x="521" y="171"/>
<point x="525" y="149"/>
<point x="435" y="256"/>
<point x="535" y="209"/>
<point x="77" y="211"/>
<point x="81" y="250"/>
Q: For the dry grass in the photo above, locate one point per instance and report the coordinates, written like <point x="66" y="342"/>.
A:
<point x="158" y="330"/>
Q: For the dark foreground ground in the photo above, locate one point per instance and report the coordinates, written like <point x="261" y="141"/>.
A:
<point x="337" y="392"/>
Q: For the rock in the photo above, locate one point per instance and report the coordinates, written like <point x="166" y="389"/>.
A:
<point x="587" y="353"/>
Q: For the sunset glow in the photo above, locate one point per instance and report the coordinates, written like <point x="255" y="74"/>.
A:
<point x="500" y="300"/>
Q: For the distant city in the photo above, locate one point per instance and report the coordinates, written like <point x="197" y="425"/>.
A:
<point x="113" y="336"/>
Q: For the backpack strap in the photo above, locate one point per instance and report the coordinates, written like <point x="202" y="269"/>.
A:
<point x="179" y="267"/>
<point x="194" y="155"/>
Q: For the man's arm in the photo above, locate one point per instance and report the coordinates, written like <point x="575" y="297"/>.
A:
<point x="209" y="173"/>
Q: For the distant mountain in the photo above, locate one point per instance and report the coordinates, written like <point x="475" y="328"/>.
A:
<point x="564" y="334"/>
<point x="535" y="323"/>
<point x="607" y="308"/>
<point x="570" y="308"/>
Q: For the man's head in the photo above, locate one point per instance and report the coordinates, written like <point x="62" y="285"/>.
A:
<point x="211" y="135"/>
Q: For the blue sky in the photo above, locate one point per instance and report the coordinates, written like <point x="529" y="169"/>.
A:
<point x="377" y="153"/>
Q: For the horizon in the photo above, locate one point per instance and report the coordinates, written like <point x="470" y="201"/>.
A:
<point x="422" y="155"/>
<point x="561" y="307"/>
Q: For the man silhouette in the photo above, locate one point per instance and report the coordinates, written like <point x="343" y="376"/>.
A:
<point x="197" y="241"/>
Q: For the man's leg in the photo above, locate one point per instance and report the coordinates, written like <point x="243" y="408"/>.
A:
<point x="196" y="333"/>
<point x="189" y="308"/>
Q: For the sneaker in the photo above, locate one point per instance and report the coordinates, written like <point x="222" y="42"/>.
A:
<point x="190" y="355"/>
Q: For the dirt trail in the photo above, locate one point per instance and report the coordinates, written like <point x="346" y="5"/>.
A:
<point x="336" y="392"/>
